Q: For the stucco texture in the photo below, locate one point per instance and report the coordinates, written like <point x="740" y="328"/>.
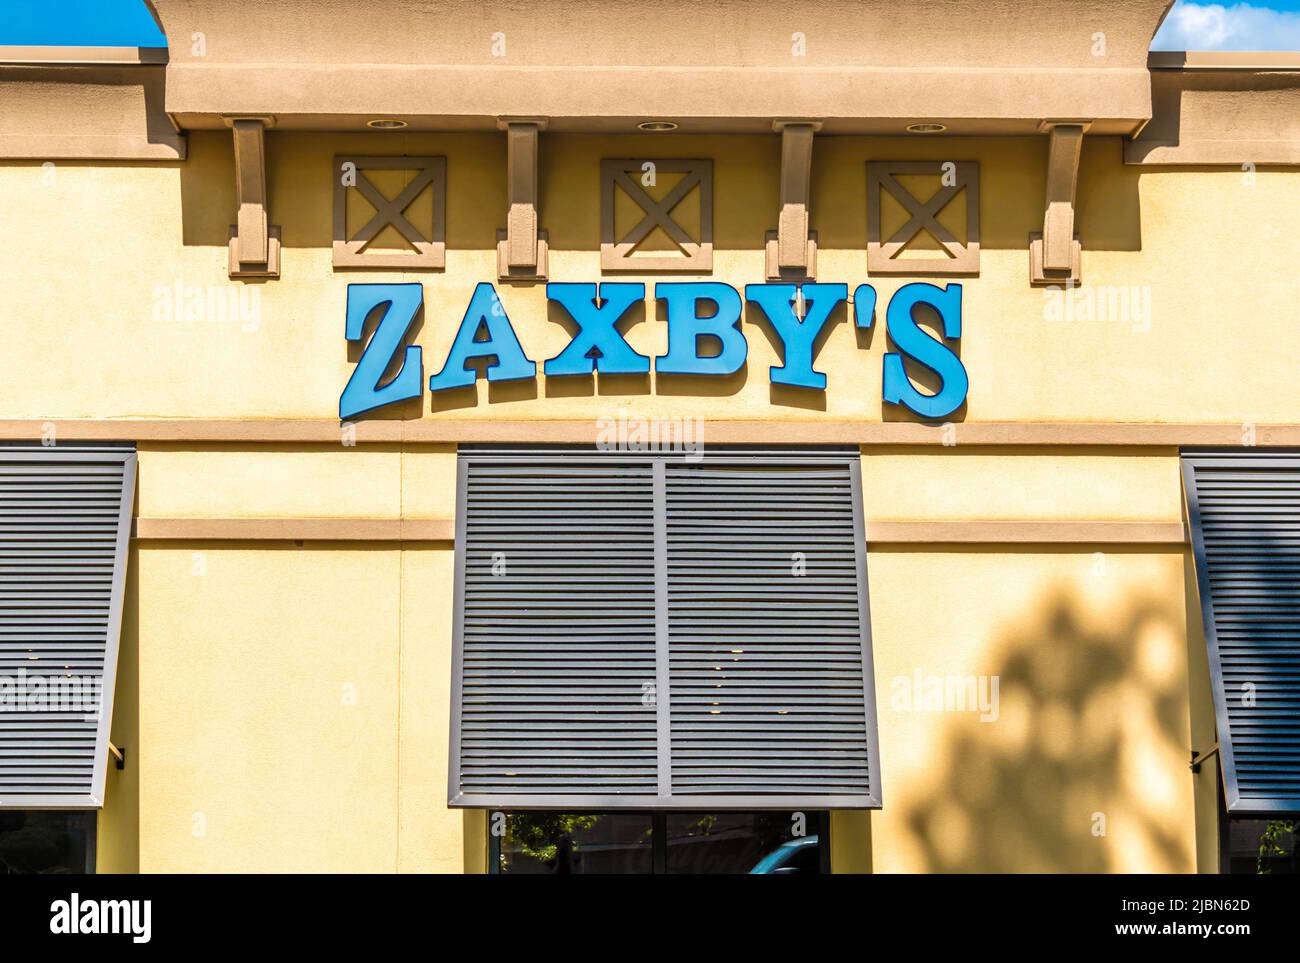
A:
<point x="106" y="249"/>
<point x="293" y="711"/>
<point x="285" y="706"/>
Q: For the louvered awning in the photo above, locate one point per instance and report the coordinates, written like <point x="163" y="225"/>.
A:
<point x="1244" y="508"/>
<point x="637" y="630"/>
<point x="65" y="522"/>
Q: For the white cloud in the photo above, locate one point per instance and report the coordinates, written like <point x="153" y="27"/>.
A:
<point x="1212" y="26"/>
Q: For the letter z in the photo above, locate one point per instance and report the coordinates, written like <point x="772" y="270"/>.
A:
<point x="363" y="391"/>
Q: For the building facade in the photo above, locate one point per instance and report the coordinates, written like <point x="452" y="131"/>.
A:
<point x="655" y="437"/>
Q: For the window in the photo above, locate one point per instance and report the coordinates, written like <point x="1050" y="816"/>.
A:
<point x="758" y="843"/>
<point x="776" y="843"/>
<point x="1262" y="846"/>
<point x="46" y="842"/>
<point x="1244" y="510"/>
<point x="651" y="631"/>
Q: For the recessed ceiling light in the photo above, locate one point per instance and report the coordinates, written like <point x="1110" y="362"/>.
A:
<point x="926" y="128"/>
<point x="657" y="126"/>
<point x="386" y="124"/>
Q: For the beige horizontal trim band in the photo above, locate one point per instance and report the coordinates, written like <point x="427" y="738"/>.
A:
<point x="1007" y="532"/>
<point x="457" y="431"/>
<point x="1213" y="153"/>
<point x="299" y="529"/>
<point x="15" y="54"/>
<point x="1224" y="60"/>
<point x="66" y="146"/>
<point x="998" y="532"/>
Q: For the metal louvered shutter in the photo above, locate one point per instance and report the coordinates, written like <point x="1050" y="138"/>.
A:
<point x="65" y="523"/>
<point x="765" y="628"/>
<point x="558" y="628"/>
<point x="1244" y="509"/>
<point x="640" y="630"/>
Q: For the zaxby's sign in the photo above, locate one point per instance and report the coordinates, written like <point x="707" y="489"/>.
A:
<point x="700" y="314"/>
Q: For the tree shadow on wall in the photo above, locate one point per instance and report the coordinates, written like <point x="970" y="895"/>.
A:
<point x="1032" y="803"/>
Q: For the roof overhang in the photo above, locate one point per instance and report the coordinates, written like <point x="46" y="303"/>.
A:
<point x="1221" y="108"/>
<point x="860" y="66"/>
<point x="86" y="103"/>
<point x="853" y="66"/>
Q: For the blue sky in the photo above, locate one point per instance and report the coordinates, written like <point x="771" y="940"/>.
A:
<point x="1273" y="25"/>
<point x="1192" y="25"/>
<point x="77" y="23"/>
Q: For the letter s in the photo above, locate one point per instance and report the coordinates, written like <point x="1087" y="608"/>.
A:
<point x="908" y="337"/>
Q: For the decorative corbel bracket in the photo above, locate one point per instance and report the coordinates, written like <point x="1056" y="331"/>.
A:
<point x="254" y="244"/>
<point x="791" y="250"/>
<point x="521" y="247"/>
<point x="1054" y="255"/>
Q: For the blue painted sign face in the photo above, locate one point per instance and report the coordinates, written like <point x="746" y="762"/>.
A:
<point x="695" y="310"/>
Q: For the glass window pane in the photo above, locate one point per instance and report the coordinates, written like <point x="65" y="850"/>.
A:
<point x="744" y="843"/>
<point x="1276" y="838"/>
<point x="568" y="843"/>
<point x="46" y="842"/>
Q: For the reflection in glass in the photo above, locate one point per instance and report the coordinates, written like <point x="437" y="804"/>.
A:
<point x="759" y="843"/>
<point x="46" y="842"/>
<point x="1265" y="846"/>
<point x="558" y="843"/>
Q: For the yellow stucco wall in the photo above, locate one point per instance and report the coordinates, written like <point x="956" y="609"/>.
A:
<point x="975" y="483"/>
<point x="1084" y="767"/>
<point x="311" y="481"/>
<point x="117" y="848"/>
<point x="294" y="709"/>
<point x="251" y="757"/>
<point x="295" y="699"/>
<point x="105" y="247"/>
<point x="285" y="706"/>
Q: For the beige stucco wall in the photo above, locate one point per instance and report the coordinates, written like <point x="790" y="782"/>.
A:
<point x="285" y="705"/>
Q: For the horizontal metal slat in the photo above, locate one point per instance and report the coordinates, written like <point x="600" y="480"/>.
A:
<point x="60" y="522"/>
<point x="1245" y="513"/>
<point x="536" y="660"/>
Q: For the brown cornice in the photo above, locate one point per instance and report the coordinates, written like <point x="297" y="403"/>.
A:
<point x="85" y="109"/>
<point x="75" y="56"/>
<point x="1221" y="109"/>
<point x="1248" y="60"/>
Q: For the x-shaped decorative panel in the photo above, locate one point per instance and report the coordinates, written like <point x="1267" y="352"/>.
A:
<point x="627" y="175"/>
<point x="427" y="240"/>
<point x="923" y="215"/>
